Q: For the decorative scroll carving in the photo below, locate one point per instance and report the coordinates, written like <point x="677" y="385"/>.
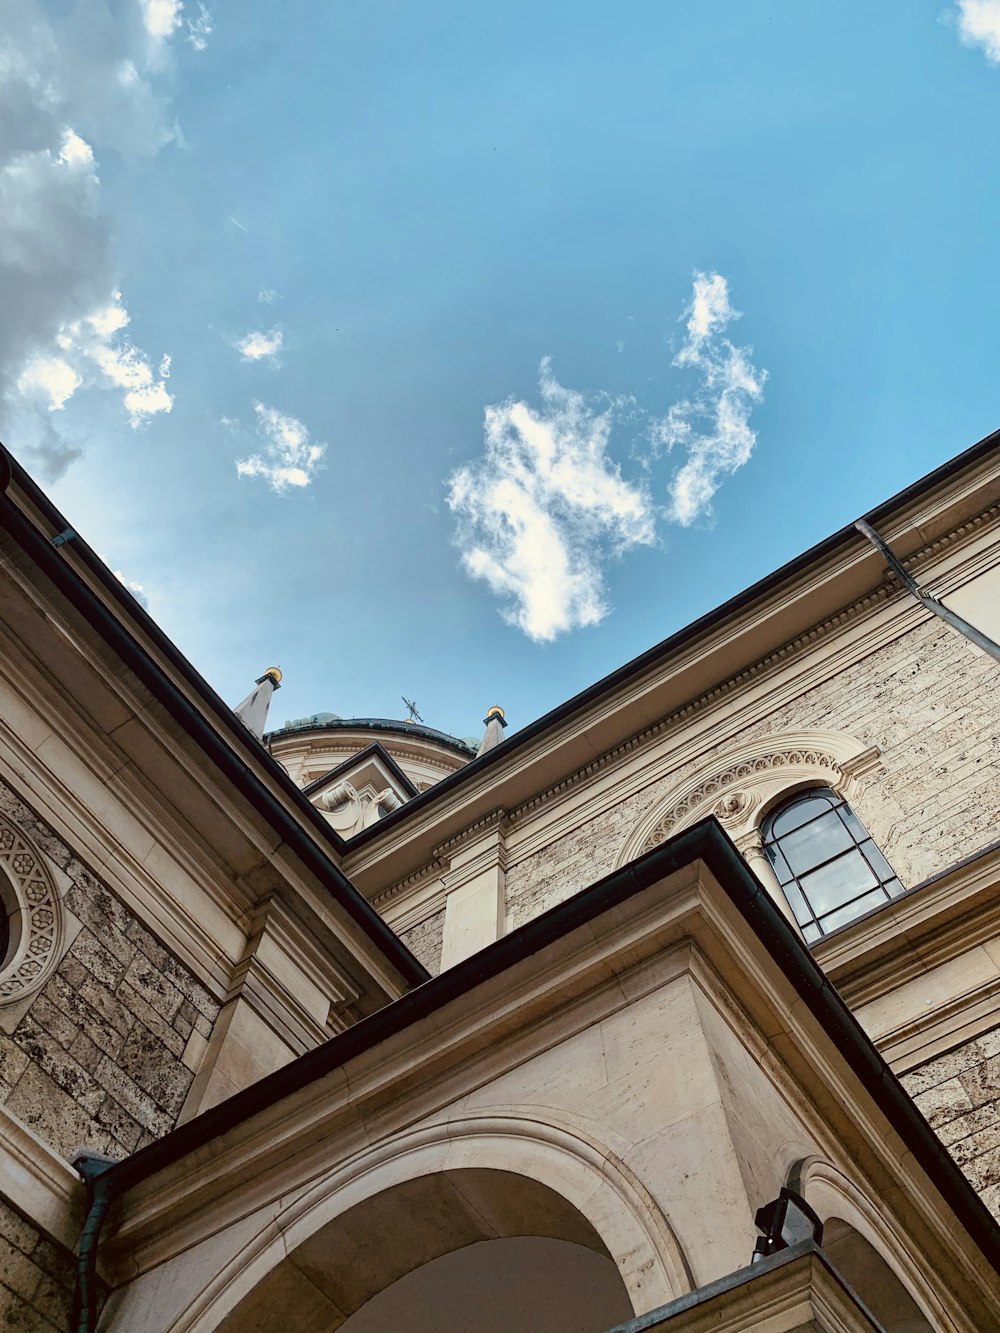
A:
<point x="734" y="806"/>
<point x="35" y="913"/>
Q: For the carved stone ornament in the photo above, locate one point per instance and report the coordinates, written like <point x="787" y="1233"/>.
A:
<point x="731" y="807"/>
<point x="34" y="912"/>
<point x="734" y="806"/>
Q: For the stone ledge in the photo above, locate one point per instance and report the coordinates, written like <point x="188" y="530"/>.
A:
<point x="795" y="1291"/>
<point x="39" y="1183"/>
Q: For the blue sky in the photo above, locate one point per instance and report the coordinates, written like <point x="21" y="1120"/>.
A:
<point x="432" y="381"/>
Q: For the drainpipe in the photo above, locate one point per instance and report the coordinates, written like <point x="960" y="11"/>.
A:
<point x="932" y="604"/>
<point x="94" y="1168"/>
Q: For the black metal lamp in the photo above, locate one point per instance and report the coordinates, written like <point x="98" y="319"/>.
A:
<point x="786" y="1220"/>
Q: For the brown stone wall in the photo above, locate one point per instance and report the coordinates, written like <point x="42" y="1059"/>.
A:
<point x="97" y="1058"/>
<point x="929" y="701"/>
<point x="426" y="941"/>
<point x="959" y="1093"/>
<point x="36" y="1278"/>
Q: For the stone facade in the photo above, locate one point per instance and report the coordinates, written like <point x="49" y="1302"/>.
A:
<point x="36" y="1277"/>
<point x="104" y="1054"/>
<point x="959" y="1093"/>
<point x="927" y="700"/>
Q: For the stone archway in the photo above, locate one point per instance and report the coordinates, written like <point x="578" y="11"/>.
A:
<point x="520" y="1177"/>
<point x="862" y="1245"/>
<point x="446" y="1233"/>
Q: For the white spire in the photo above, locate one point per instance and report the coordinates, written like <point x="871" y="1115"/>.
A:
<point x="493" y="735"/>
<point x="252" y="712"/>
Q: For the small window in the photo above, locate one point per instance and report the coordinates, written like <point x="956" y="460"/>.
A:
<point x="827" y="865"/>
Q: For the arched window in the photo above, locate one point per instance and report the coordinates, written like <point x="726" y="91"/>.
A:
<point x="827" y="865"/>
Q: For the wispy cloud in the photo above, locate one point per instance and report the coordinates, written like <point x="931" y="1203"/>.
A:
<point x="713" y="426"/>
<point x="260" y="346"/>
<point x="64" y="97"/>
<point x="979" y="25"/>
<point x="199" y="28"/>
<point x="268" y="296"/>
<point x="289" y="457"/>
<point x="545" y="508"/>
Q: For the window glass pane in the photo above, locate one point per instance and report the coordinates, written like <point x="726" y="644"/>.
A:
<point x="876" y="860"/>
<point x="800" y="812"/>
<point x="893" y="887"/>
<point x="858" y="908"/>
<point x="816" y="842"/>
<point x="798" y="904"/>
<point x="853" y="823"/>
<point x="811" y="932"/>
<point x="778" y="862"/>
<point x="838" y="882"/>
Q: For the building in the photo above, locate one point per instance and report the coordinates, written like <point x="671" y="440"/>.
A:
<point x="346" y="1026"/>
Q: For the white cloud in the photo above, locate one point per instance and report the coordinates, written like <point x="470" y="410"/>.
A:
<point x="52" y="377"/>
<point x="713" y="426"/>
<point x="545" y="509"/>
<point x="161" y="17"/>
<point x="979" y="25"/>
<point x="268" y="296"/>
<point x="290" y="457"/>
<point x="258" y="345"/>
<point x="75" y="81"/>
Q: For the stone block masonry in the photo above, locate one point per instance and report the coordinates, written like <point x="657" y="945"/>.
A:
<point x="959" y="1094"/>
<point x="36" y="1277"/>
<point x="425" y="941"/>
<point x="98" y="1057"/>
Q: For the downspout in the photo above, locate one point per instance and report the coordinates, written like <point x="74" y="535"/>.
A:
<point x="94" y="1168"/>
<point x="932" y="604"/>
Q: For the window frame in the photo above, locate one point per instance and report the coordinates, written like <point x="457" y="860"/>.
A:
<point x="814" y="921"/>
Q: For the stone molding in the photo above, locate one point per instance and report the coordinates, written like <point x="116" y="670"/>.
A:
<point x="37" y="916"/>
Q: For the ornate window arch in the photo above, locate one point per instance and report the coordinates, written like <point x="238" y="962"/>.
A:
<point x="742" y="786"/>
<point x="33" y="915"/>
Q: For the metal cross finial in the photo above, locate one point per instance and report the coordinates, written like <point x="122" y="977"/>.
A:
<point x="411" y="709"/>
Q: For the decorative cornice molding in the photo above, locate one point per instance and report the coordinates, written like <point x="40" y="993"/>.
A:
<point x="431" y="870"/>
<point x="496" y="819"/>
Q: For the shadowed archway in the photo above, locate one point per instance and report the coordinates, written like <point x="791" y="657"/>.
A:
<point x="475" y="1229"/>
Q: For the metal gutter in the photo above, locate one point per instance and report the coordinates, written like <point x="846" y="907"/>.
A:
<point x="706" y="842"/>
<point x="48" y="558"/>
